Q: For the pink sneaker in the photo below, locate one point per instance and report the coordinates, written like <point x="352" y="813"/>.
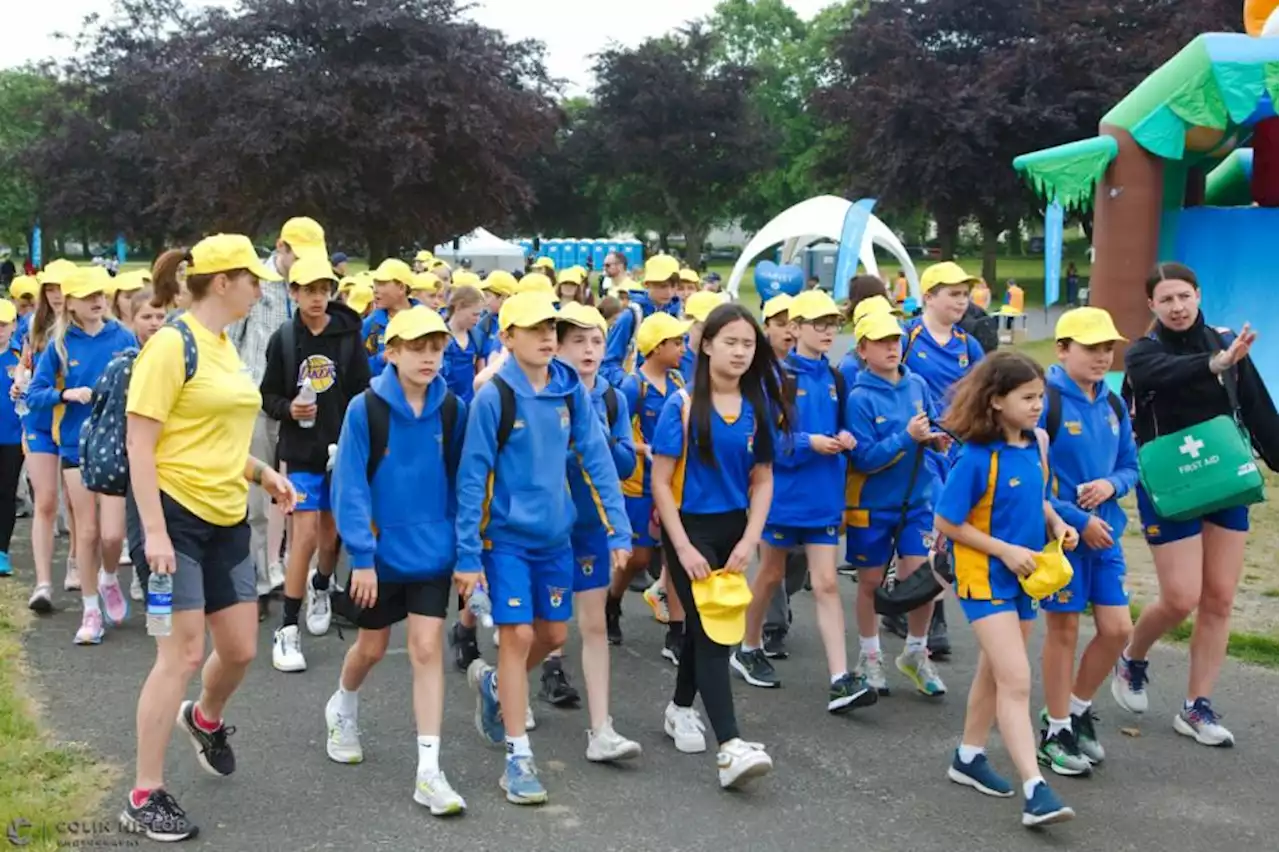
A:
<point x="90" y="632"/>
<point x="114" y="604"/>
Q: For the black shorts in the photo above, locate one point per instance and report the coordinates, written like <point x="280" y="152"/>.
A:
<point x="397" y="601"/>
<point x="65" y="463"/>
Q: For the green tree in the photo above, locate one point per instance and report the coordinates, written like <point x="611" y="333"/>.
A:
<point x="24" y="95"/>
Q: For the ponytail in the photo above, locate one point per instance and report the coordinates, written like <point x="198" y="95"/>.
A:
<point x="164" y="277"/>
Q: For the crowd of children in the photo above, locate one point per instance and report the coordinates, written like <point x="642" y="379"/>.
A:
<point x="420" y="409"/>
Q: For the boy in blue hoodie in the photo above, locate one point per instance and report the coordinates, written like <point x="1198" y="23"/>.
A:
<point x="809" y="475"/>
<point x="1095" y="463"/>
<point x="392" y="283"/>
<point x="889" y="412"/>
<point x="395" y="508"/>
<point x="516" y="518"/>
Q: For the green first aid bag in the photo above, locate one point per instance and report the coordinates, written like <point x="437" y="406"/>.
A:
<point x="1200" y="470"/>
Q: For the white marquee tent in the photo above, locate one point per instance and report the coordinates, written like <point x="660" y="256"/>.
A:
<point x="485" y="251"/>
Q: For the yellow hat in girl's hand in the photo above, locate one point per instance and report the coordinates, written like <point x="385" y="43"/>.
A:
<point x="722" y="600"/>
<point x="1053" y="572"/>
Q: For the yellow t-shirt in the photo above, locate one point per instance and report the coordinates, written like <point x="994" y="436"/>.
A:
<point x="207" y="422"/>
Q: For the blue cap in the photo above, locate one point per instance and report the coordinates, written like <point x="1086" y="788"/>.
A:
<point x="338" y="257"/>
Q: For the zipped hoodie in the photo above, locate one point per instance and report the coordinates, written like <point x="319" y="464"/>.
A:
<point x="850" y="367"/>
<point x="806" y="484"/>
<point x="621" y="449"/>
<point x="519" y="500"/>
<point x="877" y="414"/>
<point x="402" y="523"/>
<point x="87" y="359"/>
<point x="337" y="376"/>
<point x="1090" y="444"/>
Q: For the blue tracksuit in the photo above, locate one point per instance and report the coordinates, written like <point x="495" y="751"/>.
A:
<point x="807" y="486"/>
<point x="87" y="359"/>
<point x="617" y="344"/>
<point x="403" y="522"/>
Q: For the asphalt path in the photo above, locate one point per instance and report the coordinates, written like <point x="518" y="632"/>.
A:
<point x="875" y="779"/>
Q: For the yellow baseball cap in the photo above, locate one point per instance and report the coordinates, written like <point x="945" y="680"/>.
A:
<point x="426" y="282"/>
<point x="945" y="274"/>
<point x="348" y="282"/>
<point x="305" y="236"/>
<point x="526" y="309"/>
<point x="57" y="272"/>
<point x="394" y="269"/>
<point x="700" y="304"/>
<point x="1053" y="572"/>
<point x="227" y="252"/>
<point x="416" y="322"/>
<point x="777" y="305"/>
<point x="424" y="256"/>
<point x="1087" y="326"/>
<point x="128" y="282"/>
<point x="569" y="276"/>
<point x="311" y="268"/>
<point x="872" y="305"/>
<point x="658" y="327"/>
<point x="8" y="311"/>
<point x="876" y="326"/>
<point x="583" y="316"/>
<point x="501" y="282"/>
<point x="689" y="276"/>
<point x="660" y="269"/>
<point x="25" y="285"/>
<point x="722" y="600"/>
<point x="627" y="286"/>
<point x="544" y="262"/>
<point x="813" y="305"/>
<point x="436" y="263"/>
<point x="360" y="296"/>
<point x="535" y="282"/>
<point x="466" y="278"/>
<point x="87" y="281"/>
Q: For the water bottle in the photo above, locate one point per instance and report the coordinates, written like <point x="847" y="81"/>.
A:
<point x="481" y="607"/>
<point x="307" y="396"/>
<point x="21" y="379"/>
<point x="160" y="605"/>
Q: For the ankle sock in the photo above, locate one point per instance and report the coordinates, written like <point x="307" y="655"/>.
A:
<point x="519" y="746"/>
<point x="917" y="644"/>
<point x="319" y="582"/>
<point x="138" y="796"/>
<point x="1056" y="725"/>
<point x="108" y="578"/>
<point x="292" y="607"/>
<point x="202" y="722"/>
<point x="869" y="644"/>
<point x="1079" y="706"/>
<point x="428" y="755"/>
<point x="969" y="753"/>
<point x="1029" y="786"/>
<point x="91" y="603"/>
<point x="348" y="701"/>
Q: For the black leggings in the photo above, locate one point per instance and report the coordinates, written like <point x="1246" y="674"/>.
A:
<point x="704" y="664"/>
<point x="10" y="470"/>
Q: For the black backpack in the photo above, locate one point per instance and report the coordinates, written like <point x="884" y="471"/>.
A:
<point x="379" y="415"/>
<point x="507" y="410"/>
<point x="982" y="327"/>
<point x="1053" y="410"/>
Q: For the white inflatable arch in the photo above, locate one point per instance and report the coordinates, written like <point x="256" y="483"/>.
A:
<point x="822" y="218"/>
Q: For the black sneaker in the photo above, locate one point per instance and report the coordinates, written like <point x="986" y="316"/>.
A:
<point x="848" y="692"/>
<point x="775" y="647"/>
<point x="939" y="643"/>
<point x="264" y="608"/>
<point x="895" y="624"/>
<point x="212" y="749"/>
<point x="160" y="818"/>
<point x="613" y="619"/>
<point x="466" y="649"/>
<point x="671" y="646"/>
<point x="556" y="689"/>
<point x="755" y="668"/>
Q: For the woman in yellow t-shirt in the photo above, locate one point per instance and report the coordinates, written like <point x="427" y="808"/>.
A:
<point x="190" y="469"/>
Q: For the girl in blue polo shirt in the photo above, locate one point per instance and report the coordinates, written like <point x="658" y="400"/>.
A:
<point x="712" y="485"/>
<point x="988" y="510"/>
<point x="466" y="348"/>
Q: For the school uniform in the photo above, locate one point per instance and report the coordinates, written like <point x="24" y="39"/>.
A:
<point x="941" y="366"/>
<point x="883" y="460"/>
<point x="10" y="447"/>
<point x="402" y="522"/>
<point x="645" y="401"/>
<point x="459" y="364"/>
<point x="1000" y="489"/>
<point x="515" y="513"/>
<point x="590" y="538"/>
<point x="373" y="330"/>
<point x="619" y="348"/>
<point x="850" y="366"/>
<point x="86" y="361"/>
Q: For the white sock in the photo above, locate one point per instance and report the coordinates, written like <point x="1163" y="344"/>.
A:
<point x="1029" y="786"/>
<point x="917" y="644"/>
<point x="348" y="701"/>
<point x="869" y="645"/>
<point x="519" y="746"/>
<point x="91" y="603"/>
<point x="108" y="578"/>
<point x="747" y="649"/>
<point x="428" y="755"/>
<point x="968" y="753"/>
<point x="836" y="677"/>
<point x="1056" y="725"/>
<point x="1079" y="706"/>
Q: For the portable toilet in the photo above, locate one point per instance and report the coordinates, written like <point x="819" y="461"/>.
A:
<point x="634" y="251"/>
<point x="584" y="252"/>
<point x="599" y="249"/>
<point x="526" y="245"/>
<point x="551" y="249"/>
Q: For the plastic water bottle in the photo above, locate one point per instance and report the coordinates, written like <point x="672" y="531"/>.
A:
<point x="160" y="605"/>
<point x="481" y="607"/>
<point x="307" y="396"/>
<point x="22" y="378"/>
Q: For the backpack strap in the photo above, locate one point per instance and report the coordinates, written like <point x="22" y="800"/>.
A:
<point x="676" y="378"/>
<point x="611" y="405"/>
<point x="911" y="339"/>
<point x="1052" y="412"/>
<point x="190" y="351"/>
<point x="1117" y="406"/>
<point x="1042" y="441"/>
<point x="506" y="410"/>
<point x="449" y="423"/>
<point x="842" y="390"/>
<point x="378" y="412"/>
<point x="289" y="352"/>
<point x="1230" y="378"/>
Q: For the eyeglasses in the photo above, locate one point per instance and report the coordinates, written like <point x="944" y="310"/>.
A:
<point x="822" y="326"/>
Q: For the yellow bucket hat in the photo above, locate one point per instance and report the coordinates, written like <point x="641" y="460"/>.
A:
<point x="722" y="600"/>
<point x="1053" y="572"/>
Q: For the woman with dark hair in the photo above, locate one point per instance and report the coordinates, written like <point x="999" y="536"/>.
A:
<point x="1179" y="375"/>
<point x="712" y="485"/>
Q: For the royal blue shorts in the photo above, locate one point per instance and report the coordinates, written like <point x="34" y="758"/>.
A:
<point x="591" y="560"/>
<point x="868" y="547"/>
<point x="40" y="441"/>
<point x="313" y="491"/>
<point x="785" y="537"/>
<point x="527" y="587"/>
<point x="1098" y="579"/>
<point x="639" y="512"/>
<point x="1023" y="605"/>
<point x="1160" y="530"/>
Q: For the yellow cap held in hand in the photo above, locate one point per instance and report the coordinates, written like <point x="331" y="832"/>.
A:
<point x="416" y="322"/>
<point x="394" y="269"/>
<point x="1087" y="326"/>
<point x="722" y="600"/>
<point x="1053" y="572"/>
<point x="700" y="304"/>
<point x="658" y="327"/>
<point x="527" y="309"/>
<point x="227" y="253"/>
<point x="583" y="316"/>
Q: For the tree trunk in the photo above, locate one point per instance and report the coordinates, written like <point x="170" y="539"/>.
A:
<point x="664" y="244"/>
<point x="376" y="241"/>
<point x="84" y="244"/>
<point x="948" y="234"/>
<point x="990" y="249"/>
<point x="694" y="240"/>
<point x="1015" y="239"/>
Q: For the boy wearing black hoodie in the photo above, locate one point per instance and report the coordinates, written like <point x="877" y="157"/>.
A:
<point x="315" y="366"/>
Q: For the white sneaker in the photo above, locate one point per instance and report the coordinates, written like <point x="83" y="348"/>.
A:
<point x="607" y="744"/>
<point x="135" y="589"/>
<point x="684" y="726"/>
<point x="434" y="792"/>
<point x="318" y="611"/>
<point x="125" y="558"/>
<point x="871" y="667"/>
<point x="740" y="761"/>
<point x="286" y="650"/>
<point x="275" y="575"/>
<point x="529" y="722"/>
<point x="343" y="744"/>
<point x="71" y="582"/>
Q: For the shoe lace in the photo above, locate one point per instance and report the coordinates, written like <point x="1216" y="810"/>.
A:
<point x="1067" y="740"/>
<point x="523" y="765"/>
<point x="1138" y="678"/>
<point x="166" y="808"/>
<point x="688" y="721"/>
<point x="1202" y="711"/>
<point x="218" y="744"/>
<point x="927" y="671"/>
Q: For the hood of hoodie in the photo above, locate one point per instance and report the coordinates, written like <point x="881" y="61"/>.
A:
<point x="1057" y="376"/>
<point x="342" y="320"/>
<point x="799" y="364"/>
<point x="387" y="385"/>
<point x="872" y="383"/>
<point x="562" y="380"/>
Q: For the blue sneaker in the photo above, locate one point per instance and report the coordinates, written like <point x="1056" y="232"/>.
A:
<point x="520" y="781"/>
<point x="1045" y="808"/>
<point x="6" y="568"/>
<point x="484" y="680"/>
<point x="979" y="775"/>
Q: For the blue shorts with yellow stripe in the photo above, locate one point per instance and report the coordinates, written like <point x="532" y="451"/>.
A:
<point x="868" y="546"/>
<point x="1021" y="603"/>
<point x="1097" y="578"/>
<point x="785" y="537"/>
<point x="640" y="512"/>
<point x="527" y="586"/>
<point x="39" y="441"/>
<point x="1160" y="530"/>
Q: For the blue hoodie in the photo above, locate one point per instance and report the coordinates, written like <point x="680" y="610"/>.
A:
<point x="1091" y="444"/>
<point x="621" y="449"/>
<point x="520" y="500"/>
<point x="850" y="367"/>
<point x="808" y="486"/>
<point x="10" y="427"/>
<point x="374" y="334"/>
<point x="877" y="413"/>
<point x="87" y="359"/>
<point x="402" y="524"/>
<point x="617" y="345"/>
<point x="459" y="367"/>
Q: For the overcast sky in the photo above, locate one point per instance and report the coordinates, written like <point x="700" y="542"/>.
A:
<point x="571" y="35"/>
